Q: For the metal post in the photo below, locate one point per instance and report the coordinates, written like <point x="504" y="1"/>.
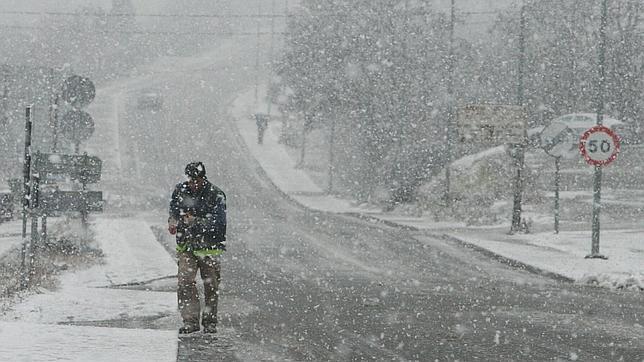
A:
<point x="259" y="15"/>
<point x="557" y="183"/>
<point x="55" y="125"/>
<point x="331" y="154"/>
<point x="300" y="163"/>
<point x="26" y="169"/>
<point x="450" y="110"/>
<point x="522" y="56"/>
<point x="597" y="184"/>
<point x="84" y="207"/>
<point x="26" y="191"/>
<point x="4" y="113"/>
<point x="519" y="151"/>
<point x="52" y="107"/>
<point x="35" y="235"/>
<point x="43" y="232"/>
<point x="270" y="60"/>
<point x="597" y="180"/>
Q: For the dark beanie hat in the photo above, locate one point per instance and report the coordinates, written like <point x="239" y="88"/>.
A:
<point x="195" y="169"/>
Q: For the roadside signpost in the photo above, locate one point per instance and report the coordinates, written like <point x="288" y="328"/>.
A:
<point x="492" y="125"/>
<point x="48" y="167"/>
<point x="558" y="141"/>
<point x="25" y="253"/>
<point x="600" y="146"/>
<point x="75" y="124"/>
<point x="78" y="91"/>
<point x="78" y="126"/>
<point x="57" y="201"/>
<point x="83" y="168"/>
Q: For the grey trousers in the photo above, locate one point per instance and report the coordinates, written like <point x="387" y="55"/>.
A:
<point x="187" y="293"/>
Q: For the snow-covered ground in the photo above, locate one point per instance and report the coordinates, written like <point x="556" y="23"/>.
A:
<point x="79" y="320"/>
<point x="10" y="235"/>
<point x="96" y="314"/>
<point x="62" y="324"/>
<point x="47" y="342"/>
<point x="562" y="254"/>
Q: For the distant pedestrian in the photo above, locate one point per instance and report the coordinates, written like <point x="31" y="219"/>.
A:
<point x="261" y="120"/>
<point x="198" y="219"/>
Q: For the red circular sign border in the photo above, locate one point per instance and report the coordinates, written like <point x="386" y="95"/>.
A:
<point x="584" y="138"/>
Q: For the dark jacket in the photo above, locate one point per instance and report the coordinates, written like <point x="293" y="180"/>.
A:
<point x="208" y="207"/>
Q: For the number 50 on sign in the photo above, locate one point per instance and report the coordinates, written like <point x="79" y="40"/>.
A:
<point x="599" y="145"/>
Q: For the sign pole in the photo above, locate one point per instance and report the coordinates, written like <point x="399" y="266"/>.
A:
<point x="557" y="183"/>
<point x="599" y="146"/>
<point x="451" y="65"/>
<point x="55" y="130"/>
<point x="329" y="187"/>
<point x="43" y="232"/>
<point x="35" y="235"/>
<point x="519" y="149"/>
<point x="26" y="171"/>
<point x="84" y="207"/>
<point x="597" y="182"/>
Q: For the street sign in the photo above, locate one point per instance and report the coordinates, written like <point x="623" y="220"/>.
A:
<point x="77" y="124"/>
<point x="599" y="145"/>
<point x="83" y="168"/>
<point x="79" y="91"/>
<point x="91" y="201"/>
<point x="557" y="140"/>
<point x="491" y="124"/>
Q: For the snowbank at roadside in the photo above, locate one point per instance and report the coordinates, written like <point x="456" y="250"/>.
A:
<point x="46" y="342"/>
<point x="561" y="254"/>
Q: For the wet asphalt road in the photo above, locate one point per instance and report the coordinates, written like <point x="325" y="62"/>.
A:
<point x="301" y="285"/>
<point x="313" y="286"/>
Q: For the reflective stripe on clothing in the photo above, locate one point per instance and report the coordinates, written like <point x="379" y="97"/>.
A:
<point x="202" y="252"/>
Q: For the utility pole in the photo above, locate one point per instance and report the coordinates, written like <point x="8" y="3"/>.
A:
<point x="519" y="149"/>
<point x="259" y="17"/>
<point x="53" y="109"/>
<point x="285" y="120"/>
<point x="597" y="179"/>
<point x="26" y="173"/>
<point x="451" y="104"/>
<point x="270" y="61"/>
<point x="331" y="154"/>
<point x="4" y="115"/>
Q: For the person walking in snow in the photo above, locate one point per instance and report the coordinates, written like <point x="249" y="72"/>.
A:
<point x="261" y="120"/>
<point x="198" y="219"/>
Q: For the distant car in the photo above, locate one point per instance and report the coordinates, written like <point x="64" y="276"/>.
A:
<point x="6" y="206"/>
<point x="581" y="122"/>
<point x="150" y="100"/>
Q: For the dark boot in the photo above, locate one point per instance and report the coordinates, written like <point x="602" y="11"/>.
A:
<point x="187" y="329"/>
<point x="211" y="328"/>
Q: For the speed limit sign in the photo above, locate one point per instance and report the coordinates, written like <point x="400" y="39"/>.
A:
<point x="599" y="146"/>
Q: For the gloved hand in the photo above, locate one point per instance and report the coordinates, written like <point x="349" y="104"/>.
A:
<point x="189" y="219"/>
<point x="172" y="226"/>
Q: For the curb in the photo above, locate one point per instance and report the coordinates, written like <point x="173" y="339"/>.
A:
<point x="500" y="258"/>
<point x="505" y="260"/>
<point x="511" y="262"/>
